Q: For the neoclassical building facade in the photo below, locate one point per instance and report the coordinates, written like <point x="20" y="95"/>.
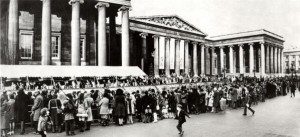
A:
<point x="85" y="32"/>
<point x="292" y="61"/>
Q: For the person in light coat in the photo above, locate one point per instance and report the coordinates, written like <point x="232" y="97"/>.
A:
<point x="130" y="104"/>
<point x="88" y="100"/>
<point x="104" y="109"/>
<point x="36" y="108"/>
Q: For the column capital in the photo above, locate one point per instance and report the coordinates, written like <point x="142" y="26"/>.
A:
<point x="241" y="45"/>
<point x="144" y="35"/>
<point x="44" y="0"/>
<point x="212" y="48"/>
<point x="125" y="8"/>
<point x="221" y="47"/>
<point x="261" y="42"/>
<point x="74" y="1"/>
<point x="187" y="41"/>
<point x="195" y="43"/>
<point x="207" y="47"/>
<point x="167" y="38"/>
<point x="230" y="46"/>
<point x="101" y="4"/>
<point x="250" y="44"/>
<point x="155" y="36"/>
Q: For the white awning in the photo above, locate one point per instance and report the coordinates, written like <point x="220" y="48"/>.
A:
<point x="16" y="71"/>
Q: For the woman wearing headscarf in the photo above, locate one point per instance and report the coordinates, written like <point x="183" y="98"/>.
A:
<point x="21" y="107"/>
<point x="88" y="100"/>
<point x="120" y="108"/>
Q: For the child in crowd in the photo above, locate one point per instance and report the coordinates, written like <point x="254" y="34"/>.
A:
<point x="42" y="125"/>
<point x="181" y="118"/>
<point x="11" y="114"/>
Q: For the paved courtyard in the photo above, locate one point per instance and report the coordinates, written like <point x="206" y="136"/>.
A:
<point x="278" y="117"/>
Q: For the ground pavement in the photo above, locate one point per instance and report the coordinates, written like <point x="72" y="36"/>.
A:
<point x="278" y="117"/>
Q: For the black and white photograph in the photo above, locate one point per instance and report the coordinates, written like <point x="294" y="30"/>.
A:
<point x="150" y="68"/>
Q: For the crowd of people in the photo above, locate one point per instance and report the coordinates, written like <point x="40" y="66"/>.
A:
<point x="56" y="111"/>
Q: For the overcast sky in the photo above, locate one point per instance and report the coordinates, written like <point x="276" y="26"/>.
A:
<point x="218" y="17"/>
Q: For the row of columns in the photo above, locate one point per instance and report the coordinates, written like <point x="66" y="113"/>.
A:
<point x="166" y="43"/>
<point x="13" y="33"/>
<point x="271" y="58"/>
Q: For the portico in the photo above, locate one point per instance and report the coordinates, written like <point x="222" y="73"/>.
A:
<point x="253" y="53"/>
<point x="171" y="43"/>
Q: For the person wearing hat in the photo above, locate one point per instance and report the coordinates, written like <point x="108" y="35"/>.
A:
<point x="181" y="118"/>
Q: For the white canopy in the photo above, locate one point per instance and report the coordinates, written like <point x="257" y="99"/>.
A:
<point x="16" y="71"/>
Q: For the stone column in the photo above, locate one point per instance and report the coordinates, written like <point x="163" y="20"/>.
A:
<point x="46" y="33"/>
<point x="202" y="61"/>
<point x="231" y="59"/>
<point x="207" y="61"/>
<point x="241" y="58"/>
<point x="281" y="62"/>
<point x="267" y="58"/>
<point x="162" y="46"/>
<point x="102" y="46"/>
<point x="262" y="57"/>
<point x="275" y="59"/>
<point x="112" y="39"/>
<point x="195" y="61"/>
<point x="212" y="61"/>
<point x="271" y="59"/>
<point x="222" y="59"/>
<point x="144" y="51"/>
<point x="177" y="56"/>
<point x="156" y="58"/>
<point x="296" y="61"/>
<point x="167" y="54"/>
<point x="278" y="59"/>
<point x="75" y="32"/>
<point x="13" y="32"/>
<point x="186" y="56"/>
<point x="172" y="53"/>
<point x="251" y="58"/>
<point x="125" y="35"/>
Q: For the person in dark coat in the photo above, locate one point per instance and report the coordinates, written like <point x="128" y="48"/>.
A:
<point x="196" y="101"/>
<point x="120" y="108"/>
<point x="293" y="89"/>
<point x="55" y="110"/>
<point x="146" y="105"/>
<point x="139" y="108"/>
<point x="181" y="118"/>
<point x="247" y="104"/>
<point x="284" y="88"/>
<point x="21" y="107"/>
<point x="216" y="102"/>
<point x="172" y="105"/>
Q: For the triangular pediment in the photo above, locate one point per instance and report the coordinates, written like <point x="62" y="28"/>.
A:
<point x="172" y="21"/>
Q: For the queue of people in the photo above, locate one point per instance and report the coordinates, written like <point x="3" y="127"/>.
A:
<point x="55" y="111"/>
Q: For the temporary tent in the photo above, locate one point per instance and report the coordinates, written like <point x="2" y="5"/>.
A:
<point x="16" y="71"/>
